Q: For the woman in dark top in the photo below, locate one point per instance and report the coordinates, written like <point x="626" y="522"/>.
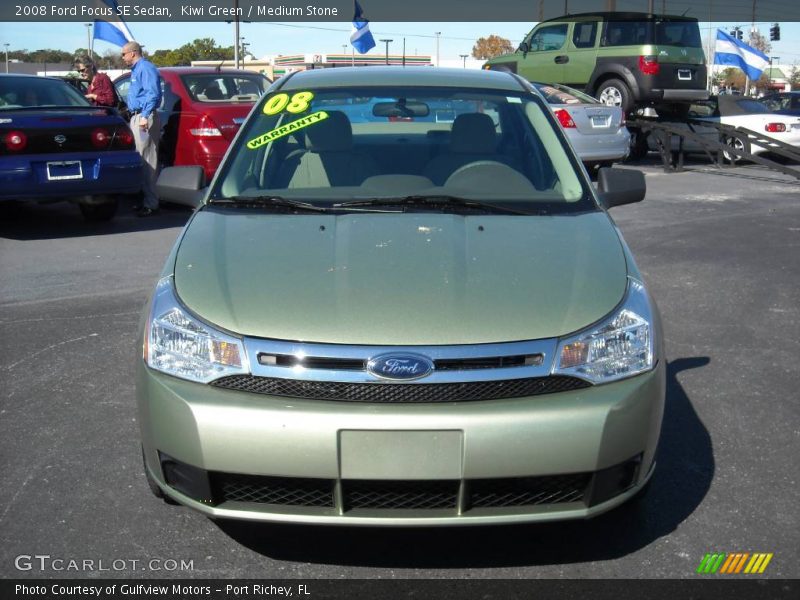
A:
<point x="101" y="90"/>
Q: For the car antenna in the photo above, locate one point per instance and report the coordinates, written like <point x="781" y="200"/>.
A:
<point x="219" y="66"/>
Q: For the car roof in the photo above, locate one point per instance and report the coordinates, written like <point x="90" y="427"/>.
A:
<point x="619" y="16"/>
<point x="191" y="70"/>
<point x="401" y="76"/>
<point x="32" y="76"/>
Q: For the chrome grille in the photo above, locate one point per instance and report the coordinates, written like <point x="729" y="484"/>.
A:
<point x="349" y="364"/>
<point x="401" y="393"/>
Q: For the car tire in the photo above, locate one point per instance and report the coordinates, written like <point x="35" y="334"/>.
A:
<point x="614" y="92"/>
<point x="151" y="483"/>
<point x="96" y="212"/>
<point x="738" y="143"/>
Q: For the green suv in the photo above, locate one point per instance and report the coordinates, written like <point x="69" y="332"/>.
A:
<point x="630" y="60"/>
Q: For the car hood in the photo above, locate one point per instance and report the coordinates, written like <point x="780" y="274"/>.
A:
<point x="400" y="279"/>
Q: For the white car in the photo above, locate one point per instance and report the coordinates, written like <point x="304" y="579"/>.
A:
<point x="738" y="111"/>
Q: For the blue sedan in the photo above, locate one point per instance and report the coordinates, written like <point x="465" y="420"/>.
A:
<point x="55" y="146"/>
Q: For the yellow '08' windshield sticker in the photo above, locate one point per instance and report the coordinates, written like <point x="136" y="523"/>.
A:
<point x="283" y="130"/>
<point x="297" y="104"/>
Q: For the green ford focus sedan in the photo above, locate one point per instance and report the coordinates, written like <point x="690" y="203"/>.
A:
<point x="400" y="302"/>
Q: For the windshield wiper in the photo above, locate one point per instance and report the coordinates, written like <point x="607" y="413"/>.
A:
<point x="270" y="201"/>
<point x="436" y="201"/>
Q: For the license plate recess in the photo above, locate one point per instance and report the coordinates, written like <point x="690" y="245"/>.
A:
<point x="64" y="169"/>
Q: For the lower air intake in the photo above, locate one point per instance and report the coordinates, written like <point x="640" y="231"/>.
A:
<point x="401" y="393"/>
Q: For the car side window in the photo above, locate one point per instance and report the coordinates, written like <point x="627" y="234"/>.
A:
<point x="624" y="33"/>
<point x="551" y="37"/>
<point x="583" y="34"/>
<point x="701" y="109"/>
<point x="771" y="102"/>
<point x="122" y="88"/>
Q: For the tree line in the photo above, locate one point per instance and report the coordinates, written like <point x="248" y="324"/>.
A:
<point x="199" y="49"/>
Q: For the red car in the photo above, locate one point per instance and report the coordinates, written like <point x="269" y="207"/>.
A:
<point x="201" y="110"/>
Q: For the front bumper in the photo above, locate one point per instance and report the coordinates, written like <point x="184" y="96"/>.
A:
<point x="458" y="463"/>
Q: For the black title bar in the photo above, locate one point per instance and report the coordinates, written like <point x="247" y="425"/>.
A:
<point x="525" y="11"/>
<point x="711" y="587"/>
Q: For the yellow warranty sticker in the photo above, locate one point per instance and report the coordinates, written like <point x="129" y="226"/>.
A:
<point x="283" y="130"/>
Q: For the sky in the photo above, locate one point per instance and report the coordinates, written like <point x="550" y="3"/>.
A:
<point x="325" y="38"/>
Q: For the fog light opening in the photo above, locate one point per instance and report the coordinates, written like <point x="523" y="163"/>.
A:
<point x="613" y="481"/>
<point x="187" y="479"/>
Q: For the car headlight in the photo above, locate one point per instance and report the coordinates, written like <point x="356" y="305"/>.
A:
<point x="619" y="347"/>
<point x="181" y="345"/>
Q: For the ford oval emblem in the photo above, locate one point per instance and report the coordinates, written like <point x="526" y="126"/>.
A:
<point x="400" y="366"/>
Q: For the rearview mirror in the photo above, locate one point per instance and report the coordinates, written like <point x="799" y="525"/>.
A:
<point x="182" y="185"/>
<point x="620" y="186"/>
<point x="401" y="108"/>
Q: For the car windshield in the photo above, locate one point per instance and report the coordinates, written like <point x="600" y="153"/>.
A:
<point x="332" y="146"/>
<point x="224" y="87"/>
<point x="752" y="106"/>
<point x="31" y="92"/>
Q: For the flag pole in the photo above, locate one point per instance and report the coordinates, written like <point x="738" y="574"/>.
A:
<point x="712" y="36"/>
<point x="236" y="34"/>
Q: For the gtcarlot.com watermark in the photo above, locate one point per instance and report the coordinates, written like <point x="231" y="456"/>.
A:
<point x="45" y="562"/>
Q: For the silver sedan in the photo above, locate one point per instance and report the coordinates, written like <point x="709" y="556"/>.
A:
<point x="596" y="131"/>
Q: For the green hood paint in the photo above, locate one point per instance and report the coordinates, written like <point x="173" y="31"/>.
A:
<point x="400" y="279"/>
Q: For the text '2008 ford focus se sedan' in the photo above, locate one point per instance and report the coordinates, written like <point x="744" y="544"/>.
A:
<point x="380" y="317"/>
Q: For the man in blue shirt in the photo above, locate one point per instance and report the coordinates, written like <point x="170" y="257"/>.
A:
<point x="144" y="98"/>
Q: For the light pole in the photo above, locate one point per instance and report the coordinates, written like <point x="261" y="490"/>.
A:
<point x="244" y="48"/>
<point x="88" y="38"/>
<point x="387" y="49"/>
<point x="6" y="45"/>
<point x="771" y="59"/>
<point x="437" y="34"/>
<point x="344" y="53"/>
<point x="464" y="59"/>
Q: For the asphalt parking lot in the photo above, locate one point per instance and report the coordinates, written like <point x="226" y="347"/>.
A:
<point x="719" y="250"/>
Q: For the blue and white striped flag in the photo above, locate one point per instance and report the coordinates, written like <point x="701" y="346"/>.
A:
<point x="730" y="51"/>
<point x="361" y="39"/>
<point x="111" y="29"/>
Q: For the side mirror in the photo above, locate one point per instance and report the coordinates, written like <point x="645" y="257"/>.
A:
<point x="182" y="185"/>
<point x="620" y="186"/>
<point x="524" y="48"/>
